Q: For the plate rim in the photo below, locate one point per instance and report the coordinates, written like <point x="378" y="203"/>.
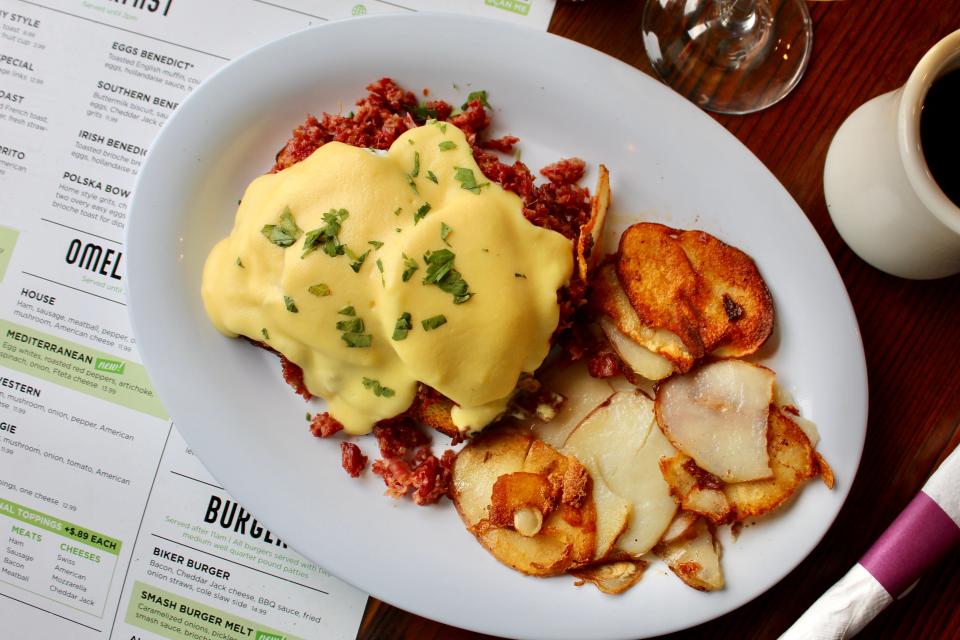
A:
<point x="134" y="237"/>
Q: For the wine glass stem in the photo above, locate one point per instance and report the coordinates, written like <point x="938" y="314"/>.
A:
<point x="740" y="34"/>
<point x="738" y="16"/>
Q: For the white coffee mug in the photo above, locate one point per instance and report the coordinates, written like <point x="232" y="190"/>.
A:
<point x="880" y="193"/>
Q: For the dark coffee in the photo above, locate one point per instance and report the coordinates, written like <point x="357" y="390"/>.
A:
<point x="940" y="133"/>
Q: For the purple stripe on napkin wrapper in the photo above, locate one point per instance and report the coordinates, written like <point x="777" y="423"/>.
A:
<point x="917" y="539"/>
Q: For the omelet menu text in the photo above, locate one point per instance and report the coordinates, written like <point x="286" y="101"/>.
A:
<point x="109" y="525"/>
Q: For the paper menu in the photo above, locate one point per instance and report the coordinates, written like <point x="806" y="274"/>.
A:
<point x="109" y="527"/>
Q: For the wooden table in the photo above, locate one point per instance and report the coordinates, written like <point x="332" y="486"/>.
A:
<point x="911" y="330"/>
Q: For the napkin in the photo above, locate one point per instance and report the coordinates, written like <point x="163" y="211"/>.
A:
<point x="919" y="538"/>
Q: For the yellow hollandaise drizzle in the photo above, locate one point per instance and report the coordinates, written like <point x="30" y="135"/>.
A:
<point x="375" y="271"/>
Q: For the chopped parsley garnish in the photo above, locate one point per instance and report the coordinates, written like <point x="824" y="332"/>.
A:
<point x="383" y="282"/>
<point x="397" y="229"/>
<point x="447" y="145"/>
<point x="378" y="389"/>
<point x="519" y="275"/>
<point x="440" y="272"/>
<point x="397" y="211"/>
<point x="422" y="111"/>
<point x="265" y="333"/>
<point x="416" y="164"/>
<point x="432" y="177"/>
<point x="353" y="330"/>
<point x="413" y="185"/>
<point x="409" y="266"/>
<point x="239" y="263"/>
<point x="357" y="340"/>
<point x="325" y="237"/>
<point x="469" y="181"/>
<point x="403" y="327"/>
<point x="376" y="244"/>
<point x="285" y="232"/>
<point x="351" y="326"/>
<point x="445" y="231"/>
<point x="320" y="290"/>
<point x="442" y="126"/>
<point x="358" y="260"/>
<point x="421" y="212"/>
<point x="309" y="417"/>
<point x="433" y="322"/>
<point x="410" y="140"/>
<point x="290" y="304"/>
<point x="476" y="95"/>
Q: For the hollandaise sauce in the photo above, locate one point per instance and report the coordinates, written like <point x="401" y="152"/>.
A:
<point x="375" y="271"/>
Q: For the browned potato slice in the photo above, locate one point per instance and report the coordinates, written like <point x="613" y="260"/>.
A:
<point x="737" y="311"/>
<point x="695" y="558"/>
<point x="696" y="490"/>
<point x="520" y="500"/>
<point x="613" y="517"/>
<point x="478" y="466"/>
<point x="826" y="473"/>
<point x="621" y="446"/>
<point x="785" y="402"/>
<point x="680" y="526"/>
<point x="582" y="394"/>
<point x="613" y="578"/>
<point x="641" y="360"/>
<point x="717" y="415"/>
<point x="660" y="282"/>
<point x="609" y="298"/>
<point x="589" y="250"/>
<point x="793" y="461"/>
<point x="530" y="506"/>
<point x="547" y="554"/>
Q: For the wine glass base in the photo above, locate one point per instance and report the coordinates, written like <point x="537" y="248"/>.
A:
<point x="726" y="65"/>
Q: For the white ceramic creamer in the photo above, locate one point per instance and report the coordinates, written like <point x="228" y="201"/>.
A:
<point x="880" y="194"/>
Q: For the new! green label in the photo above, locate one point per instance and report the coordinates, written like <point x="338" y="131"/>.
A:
<point x="109" y="366"/>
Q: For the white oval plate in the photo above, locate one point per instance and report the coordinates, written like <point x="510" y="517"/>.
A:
<point x="669" y="162"/>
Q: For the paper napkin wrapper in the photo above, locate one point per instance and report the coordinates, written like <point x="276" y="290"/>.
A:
<point x="918" y="539"/>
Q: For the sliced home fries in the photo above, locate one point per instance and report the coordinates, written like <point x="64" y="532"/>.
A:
<point x="627" y="471"/>
<point x="717" y="414"/>
<point x="694" y="557"/>
<point x="589" y="250"/>
<point x="582" y="395"/>
<point x="529" y="505"/>
<point x="642" y="493"/>
<point x="621" y="447"/>
<point x="736" y="309"/>
<point x="613" y="578"/>
<point x="681" y="295"/>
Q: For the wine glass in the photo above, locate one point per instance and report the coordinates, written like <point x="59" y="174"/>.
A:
<point x="729" y="56"/>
